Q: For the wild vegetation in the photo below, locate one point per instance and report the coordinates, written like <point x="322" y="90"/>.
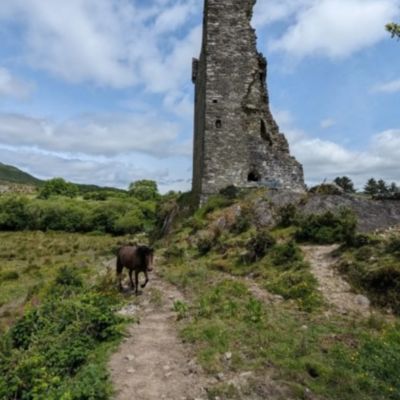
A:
<point x="57" y="308"/>
<point x="58" y="208"/>
<point x="374" y="268"/>
<point x="234" y="330"/>
<point x="57" y="315"/>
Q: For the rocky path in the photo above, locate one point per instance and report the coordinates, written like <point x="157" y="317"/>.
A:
<point x="152" y="363"/>
<point x="335" y="289"/>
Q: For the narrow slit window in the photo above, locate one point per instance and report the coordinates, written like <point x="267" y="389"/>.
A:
<point x="264" y="134"/>
<point x="218" y="124"/>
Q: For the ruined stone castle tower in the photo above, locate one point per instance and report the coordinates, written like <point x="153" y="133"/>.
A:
<point x="236" y="140"/>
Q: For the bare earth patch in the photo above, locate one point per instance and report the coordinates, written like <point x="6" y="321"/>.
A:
<point x="335" y="289"/>
<point x="153" y="363"/>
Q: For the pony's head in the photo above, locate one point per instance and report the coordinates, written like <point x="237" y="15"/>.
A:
<point x="147" y="256"/>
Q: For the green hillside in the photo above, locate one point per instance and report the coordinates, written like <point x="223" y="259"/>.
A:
<point x="12" y="174"/>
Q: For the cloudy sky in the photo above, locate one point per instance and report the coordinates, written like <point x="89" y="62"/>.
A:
<point x="99" y="91"/>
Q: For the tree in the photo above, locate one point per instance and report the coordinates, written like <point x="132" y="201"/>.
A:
<point x="393" y="189"/>
<point x="371" y="187"/>
<point x="393" y="29"/>
<point x="58" y="186"/>
<point x="345" y="183"/>
<point x="144" y="190"/>
<point x="382" y="187"/>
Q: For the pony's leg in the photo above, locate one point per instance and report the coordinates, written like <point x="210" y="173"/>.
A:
<point x="137" y="282"/>
<point x="119" y="280"/>
<point x="119" y="268"/>
<point x="147" y="279"/>
<point x="130" y="278"/>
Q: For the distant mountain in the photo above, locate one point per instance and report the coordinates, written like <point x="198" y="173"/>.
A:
<point x="8" y="173"/>
<point x="11" y="174"/>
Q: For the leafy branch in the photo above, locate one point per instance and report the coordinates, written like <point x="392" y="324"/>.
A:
<point x="393" y="29"/>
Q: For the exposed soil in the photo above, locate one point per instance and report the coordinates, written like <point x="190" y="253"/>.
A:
<point x="334" y="288"/>
<point x="153" y="363"/>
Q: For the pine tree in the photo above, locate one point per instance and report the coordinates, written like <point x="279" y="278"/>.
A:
<point x="345" y="183"/>
<point x="382" y="187"/>
<point x="393" y="189"/>
<point x="371" y="187"/>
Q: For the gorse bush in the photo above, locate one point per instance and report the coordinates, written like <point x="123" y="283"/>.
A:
<point x="393" y="246"/>
<point x="288" y="215"/>
<point x="49" y="352"/>
<point x="286" y="253"/>
<point x="258" y="245"/>
<point x="327" y="228"/>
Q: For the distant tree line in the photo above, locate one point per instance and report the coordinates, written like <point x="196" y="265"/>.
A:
<point x="375" y="188"/>
<point x="59" y="207"/>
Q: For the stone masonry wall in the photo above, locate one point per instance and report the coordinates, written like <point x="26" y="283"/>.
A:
<point x="237" y="141"/>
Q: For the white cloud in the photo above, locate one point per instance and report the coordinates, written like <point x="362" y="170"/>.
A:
<point x="388" y="87"/>
<point x="110" y="43"/>
<point x="106" y="135"/>
<point x="327" y="123"/>
<point x="323" y="158"/>
<point x="269" y="11"/>
<point x="10" y="86"/>
<point x="337" y="28"/>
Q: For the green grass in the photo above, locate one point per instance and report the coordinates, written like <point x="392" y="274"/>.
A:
<point x="32" y="258"/>
<point x="337" y="357"/>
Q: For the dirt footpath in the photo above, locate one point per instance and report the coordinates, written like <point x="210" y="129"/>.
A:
<point x="334" y="288"/>
<point x="153" y="363"/>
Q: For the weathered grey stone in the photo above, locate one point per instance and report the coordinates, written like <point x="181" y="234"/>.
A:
<point x="237" y="141"/>
<point x="371" y="214"/>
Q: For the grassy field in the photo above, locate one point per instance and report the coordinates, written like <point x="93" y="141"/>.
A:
<point x="30" y="259"/>
<point x="58" y="315"/>
<point x="58" y="322"/>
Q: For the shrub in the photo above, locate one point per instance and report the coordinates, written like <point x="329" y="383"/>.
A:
<point x="288" y="216"/>
<point x="68" y="276"/>
<point x="327" y="228"/>
<point x="326" y="189"/>
<point x="258" y="245"/>
<point x="58" y="187"/>
<point x="286" y="253"/>
<point x="243" y="221"/>
<point x="9" y="276"/>
<point x="394" y="246"/>
<point x="13" y="213"/>
<point x="52" y="352"/>
<point x="205" y="243"/>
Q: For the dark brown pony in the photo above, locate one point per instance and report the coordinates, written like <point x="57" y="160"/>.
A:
<point x="135" y="258"/>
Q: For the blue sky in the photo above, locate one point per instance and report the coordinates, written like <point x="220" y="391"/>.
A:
<point x="99" y="91"/>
